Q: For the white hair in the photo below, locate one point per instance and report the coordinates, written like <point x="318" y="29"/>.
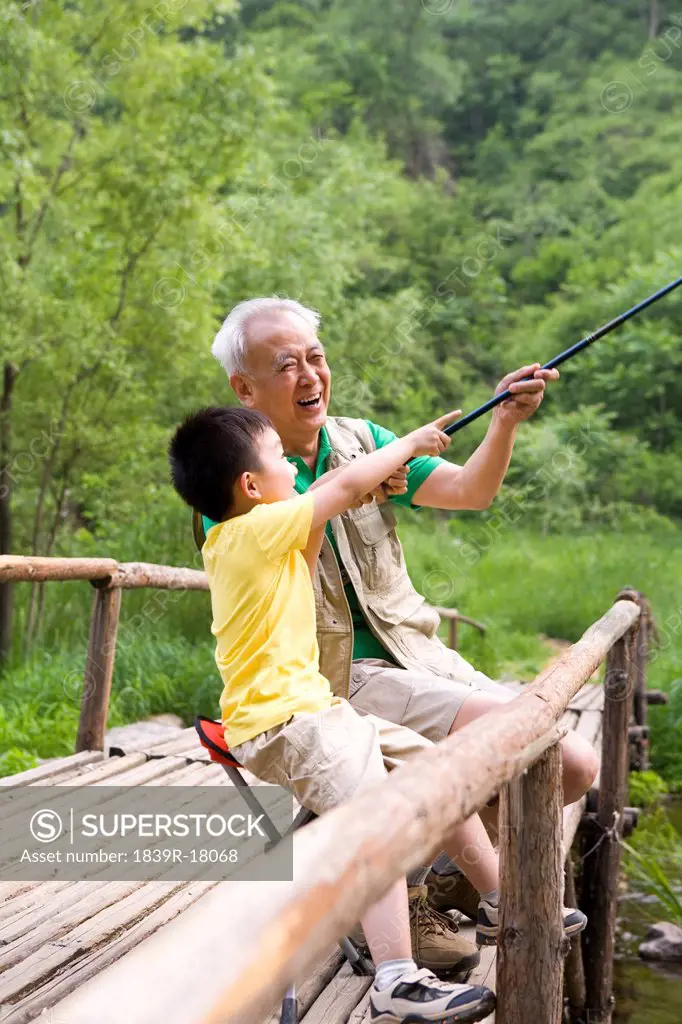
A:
<point x="229" y="345"/>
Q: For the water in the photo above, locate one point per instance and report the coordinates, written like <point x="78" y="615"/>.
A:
<point x="646" y="993"/>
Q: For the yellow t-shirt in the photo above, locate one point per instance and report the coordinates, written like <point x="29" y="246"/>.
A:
<point x="264" y="618"/>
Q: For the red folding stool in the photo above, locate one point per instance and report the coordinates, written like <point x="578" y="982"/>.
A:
<point x="211" y="736"/>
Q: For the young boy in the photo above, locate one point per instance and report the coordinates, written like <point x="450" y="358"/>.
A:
<point x="280" y="718"/>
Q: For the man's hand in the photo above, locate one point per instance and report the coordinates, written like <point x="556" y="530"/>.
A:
<point x="395" y="484"/>
<point x="527" y="394"/>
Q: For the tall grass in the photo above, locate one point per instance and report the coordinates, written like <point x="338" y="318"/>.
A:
<point x="653" y="860"/>
<point x="525" y="586"/>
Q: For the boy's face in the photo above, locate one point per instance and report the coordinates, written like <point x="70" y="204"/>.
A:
<point x="274" y="481"/>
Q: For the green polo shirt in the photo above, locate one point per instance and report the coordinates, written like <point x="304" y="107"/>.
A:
<point x="365" y="643"/>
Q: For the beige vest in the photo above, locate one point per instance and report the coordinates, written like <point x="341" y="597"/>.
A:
<point x="373" y="558"/>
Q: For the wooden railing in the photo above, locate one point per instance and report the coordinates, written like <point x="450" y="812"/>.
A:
<point x="243" y="944"/>
<point x="109" y="578"/>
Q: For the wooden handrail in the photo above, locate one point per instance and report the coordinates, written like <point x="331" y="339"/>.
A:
<point x="109" y="578"/>
<point x="107" y="575"/>
<point x="453" y="618"/>
<point x="453" y="614"/>
<point x="248" y="942"/>
<point x="107" y="571"/>
<point x="130" y="575"/>
<point x="30" y="569"/>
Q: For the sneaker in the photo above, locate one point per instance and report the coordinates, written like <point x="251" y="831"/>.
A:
<point x="436" y="942"/>
<point x="419" y="996"/>
<point x="487" y="923"/>
<point x="452" y="891"/>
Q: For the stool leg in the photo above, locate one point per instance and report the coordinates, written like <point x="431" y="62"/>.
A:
<point x="289" y="1007"/>
<point x="359" y="964"/>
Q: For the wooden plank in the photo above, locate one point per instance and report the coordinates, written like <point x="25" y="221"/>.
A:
<point x="93" y="962"/>
<point x="186" y="740"/>
<point x="590" y="726"/>
<point x="44" y="905"/>
<point x="582" y="697"/>
<point x="184" y="775"/>
<point x="107" y="770"/>
<point x="56" y="955"/>
<point x="42" y="896"/>
<point x="337" y="1001"/>
<point x="45" y="774"/>
<point x="137" y="774"/>
<point x="362" y="1013"/>
<point x="16" y="896"/>
<point x="29" y="931"/>
<point x="596" y="701"/>
<point x="143" y="774"/>
<point x="148" y="773"/>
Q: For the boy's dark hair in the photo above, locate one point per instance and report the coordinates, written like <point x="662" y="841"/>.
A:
<point x="209" y="451"/>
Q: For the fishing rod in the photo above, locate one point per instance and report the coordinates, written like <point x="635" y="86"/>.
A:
<point x="567" y="354"/>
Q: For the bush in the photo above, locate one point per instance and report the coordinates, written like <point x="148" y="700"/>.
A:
<point x="646" y="789"/>
<point x="16" y="760"/>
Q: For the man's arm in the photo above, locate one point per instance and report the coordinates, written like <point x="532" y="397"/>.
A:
<point x="475" y="484"/>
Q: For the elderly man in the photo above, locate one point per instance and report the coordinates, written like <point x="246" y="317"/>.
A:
<point x="377" y="637"/>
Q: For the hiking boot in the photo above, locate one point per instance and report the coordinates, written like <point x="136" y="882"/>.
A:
<point x="487" y="923"/>
<point x="419" y="996"/>
<point x="452" y="891"/>
<point x="436" y="942"/>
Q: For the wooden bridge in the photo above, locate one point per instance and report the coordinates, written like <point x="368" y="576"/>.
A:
<point x="217" y="952"/>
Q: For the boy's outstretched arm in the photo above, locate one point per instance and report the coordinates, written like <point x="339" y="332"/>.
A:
<point x="335" y="493"/>
<point x="311" y="552"/>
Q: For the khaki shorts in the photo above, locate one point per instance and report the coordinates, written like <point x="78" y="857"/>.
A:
<point x="326" y="757"/>
<point x="422" y="702"/>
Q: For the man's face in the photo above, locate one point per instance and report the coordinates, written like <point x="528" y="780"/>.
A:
<point x="287" y="375"/>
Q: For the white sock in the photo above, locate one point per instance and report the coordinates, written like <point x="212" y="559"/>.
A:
<point x="390" y="970"/>
<point x="492" y="897"/>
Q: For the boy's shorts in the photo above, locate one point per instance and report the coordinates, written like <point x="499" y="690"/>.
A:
<point x="326" y="757"/>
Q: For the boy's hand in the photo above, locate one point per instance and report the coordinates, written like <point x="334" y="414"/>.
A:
<point x="430" y="439"/>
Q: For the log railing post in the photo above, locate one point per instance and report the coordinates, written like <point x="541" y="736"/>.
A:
<point x="602" y="859"/>
<point x="99" y="669"/>
<point x="640" y="707"/>
<point x="574" y="974"/>
<point x="531" y="944"/>
<point x="452" y="634"/>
